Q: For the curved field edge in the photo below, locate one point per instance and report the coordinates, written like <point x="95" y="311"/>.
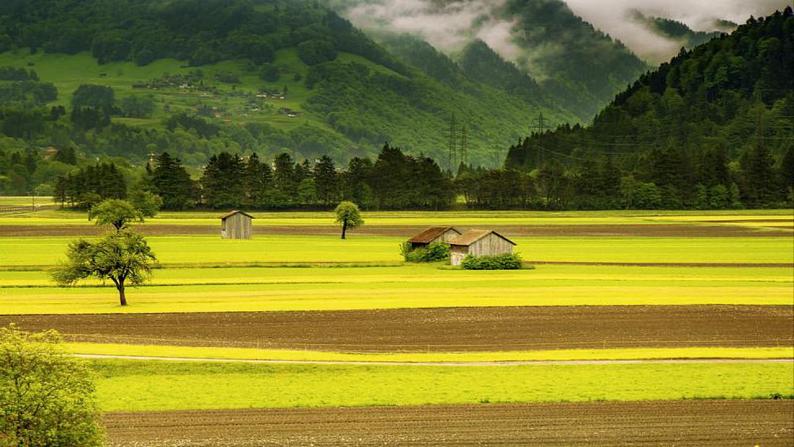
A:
<point x="152" y="386"/>
<point x="493" y="356"/>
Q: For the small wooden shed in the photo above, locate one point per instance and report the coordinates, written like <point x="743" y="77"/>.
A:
<point x="236" y="225"/>
<point x="479" y="243"/>
<point x="434" y="234"/>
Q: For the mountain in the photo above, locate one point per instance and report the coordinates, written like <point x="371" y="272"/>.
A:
<point x="575" y="66"/>
<point x="193" y="77"/>
<point x="680" y="32"/>
<point x="718" y="115"/>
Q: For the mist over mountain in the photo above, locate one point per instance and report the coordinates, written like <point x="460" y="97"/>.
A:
<point x="615" y="17"/>
<point x="576" y="65"/>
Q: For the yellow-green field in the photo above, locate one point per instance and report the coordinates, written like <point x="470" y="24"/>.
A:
<point x="282" y="271"/>
<point x="149" y="386"/>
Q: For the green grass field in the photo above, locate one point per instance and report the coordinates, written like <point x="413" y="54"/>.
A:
<point x="154" y="385"/>
<point x="203" y="250"/>
<point x="430" y="218"/>
<point x="417" y="286"/>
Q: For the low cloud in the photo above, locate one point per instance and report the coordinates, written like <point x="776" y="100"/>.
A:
<point x="451" y="24"/>
<point x="614" y="18"/>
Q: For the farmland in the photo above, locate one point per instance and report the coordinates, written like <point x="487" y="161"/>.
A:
<point x="637" y="309"/>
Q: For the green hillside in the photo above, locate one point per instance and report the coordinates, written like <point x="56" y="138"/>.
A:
<point x="194" y="77"/>
<point x="720" y="116"/>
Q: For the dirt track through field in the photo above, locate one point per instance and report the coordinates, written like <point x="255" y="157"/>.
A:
<point x="439" y="330"/>
<point x="681" y="423"/>
<point x="619" y="230"/>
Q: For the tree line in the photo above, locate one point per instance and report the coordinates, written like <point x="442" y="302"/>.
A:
<point x="394" y="180"/>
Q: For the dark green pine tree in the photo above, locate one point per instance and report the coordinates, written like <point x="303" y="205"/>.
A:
<point x="326" y="181"/>
<point x="172" y="182"/>
<point x="760" y="187"/>
<point x="257" y="182"/>
<point x="223" y="181"/>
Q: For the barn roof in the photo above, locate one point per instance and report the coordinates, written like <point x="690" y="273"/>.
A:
<point x="473" y="236"/>
<point x="431" y="234"/>
<point x="235" y="212"/>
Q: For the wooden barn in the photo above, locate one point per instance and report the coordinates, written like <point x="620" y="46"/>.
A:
<point x="434" y="234"/>
<point x="479" y="243"/>
<point x="236" y="225"/>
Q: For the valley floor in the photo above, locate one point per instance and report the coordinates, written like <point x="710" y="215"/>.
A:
<point x="632" y="327"/>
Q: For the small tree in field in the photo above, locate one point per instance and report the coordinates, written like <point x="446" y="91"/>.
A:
<point x="349" y="216"/>
<point x="123" y="257"/>
<point x="115" y="212"/>
<point x="46" y="397"/>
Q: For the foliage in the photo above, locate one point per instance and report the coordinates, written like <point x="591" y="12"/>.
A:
<point x="147" y="203"/>
<point x="138" y="106"/>
<point x="46" y="397"/>
<point x="717" y="116"/>
<point x="498" y="262"/>
<point x="437" y="251"/>
<point x="348" y="214"/>
<point x="115" y="212"/>
<point x="119" y="257"/>
<point x="90" y="185"/>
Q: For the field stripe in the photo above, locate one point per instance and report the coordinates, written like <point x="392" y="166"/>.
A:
<point x="448" y="364"/>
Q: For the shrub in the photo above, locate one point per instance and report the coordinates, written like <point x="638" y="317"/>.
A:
<point x="500" y="262"/>
<point x="437" y="251"/>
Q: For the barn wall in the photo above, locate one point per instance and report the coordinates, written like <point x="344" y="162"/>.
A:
<point x="238" y="227"/>
<point x="491" y="245"/>
<point x="449" y="235"/>
<point x="457" y="253"/>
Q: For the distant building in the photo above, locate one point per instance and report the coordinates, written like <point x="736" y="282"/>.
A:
<point x="434" y="234"/>
<point x="479" y="243"/>
<point x="236" y="225"/>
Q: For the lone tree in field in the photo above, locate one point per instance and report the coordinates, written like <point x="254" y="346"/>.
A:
<point x="122" y="257"/>
<point x="46" y="397"/>
<point x="349" y="216"/>
<point x="118" y="213"/>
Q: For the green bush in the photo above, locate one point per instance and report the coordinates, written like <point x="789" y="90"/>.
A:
<point x="437" y="251"/>
<point x="500" y="262"/>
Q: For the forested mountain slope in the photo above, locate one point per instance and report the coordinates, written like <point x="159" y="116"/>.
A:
<point x="573" y="65"/>
<point x="195" y="77"/>
<point x="720" y="115"/>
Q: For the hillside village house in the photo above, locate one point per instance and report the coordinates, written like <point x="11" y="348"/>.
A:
<point x="236" y="225"/>
<point x="434" y="234"/>
<point x="479" y="243"/>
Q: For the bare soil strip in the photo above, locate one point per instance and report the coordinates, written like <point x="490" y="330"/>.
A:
<point x="625" y="230"/>
<point x="439" y="330"/>
<point x="681" y="423"/>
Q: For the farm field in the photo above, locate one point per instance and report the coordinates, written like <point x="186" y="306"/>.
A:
<point x="495" y="329"/>
<point x="716" y="423"/>
<point x="637" y="309"/>
<point x="125" y="385"/>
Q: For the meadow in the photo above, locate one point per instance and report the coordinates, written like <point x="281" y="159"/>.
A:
<point x="150" y="386"/>
<point x="296" y="262"/>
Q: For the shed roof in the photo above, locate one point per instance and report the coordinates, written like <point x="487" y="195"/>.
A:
<point x="235" y="212"/>
<point x="473" y="236"/>
<point x="431" y="234"/>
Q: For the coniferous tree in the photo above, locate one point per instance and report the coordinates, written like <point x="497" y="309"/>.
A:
<point x="172" y="183"/>
<point x="326" y="180"/>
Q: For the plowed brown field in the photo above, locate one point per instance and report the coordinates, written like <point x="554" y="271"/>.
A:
<point x="454" y="329"/>
<point x="690" y="423"/>
<point x="627" y="230"/>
